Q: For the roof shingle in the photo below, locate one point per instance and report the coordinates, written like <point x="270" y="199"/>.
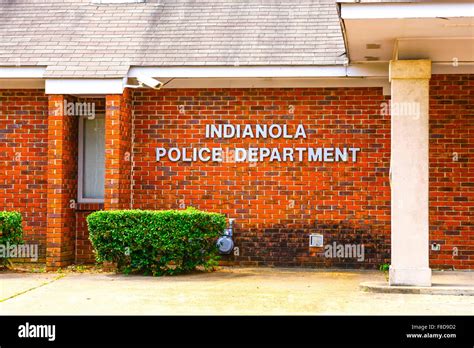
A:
<point x="76" y="38"/>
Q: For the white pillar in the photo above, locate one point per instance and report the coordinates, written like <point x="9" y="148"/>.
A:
<point x="410" y="172"/>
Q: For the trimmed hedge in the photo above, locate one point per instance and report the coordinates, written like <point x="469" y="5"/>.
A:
<point x="156" y="242"/>
<point x="11" y="230"/>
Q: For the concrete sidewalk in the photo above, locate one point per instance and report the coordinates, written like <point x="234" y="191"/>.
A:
<point x="254" y="291"/>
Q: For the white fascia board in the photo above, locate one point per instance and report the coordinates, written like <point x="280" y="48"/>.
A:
<point x="449" y="68"/>
<point x="337" y="82"/>
<point x="368" y="69"/>
<point x="233" y="72"/>
<point x="21" y="72"/>
<point x="84" y="86"/>
<point x="446" y="9"/>
<point x="357" y="70"/>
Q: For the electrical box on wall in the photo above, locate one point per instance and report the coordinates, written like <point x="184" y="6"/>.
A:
<point x="316" y="240"/>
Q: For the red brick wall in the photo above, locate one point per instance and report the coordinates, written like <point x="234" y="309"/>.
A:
<point x="452" y="170"/>
<point x="84" y="251"/>
<point x="23" y="159"/>
<point x="276" y="205"/>
<point x="118" y="151"/>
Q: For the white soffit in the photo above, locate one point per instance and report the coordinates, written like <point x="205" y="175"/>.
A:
<point x="275" y="83"/>
<point x="440" y="31"/>
<point x="362" y="75"/>
<point x="442" y="49"/>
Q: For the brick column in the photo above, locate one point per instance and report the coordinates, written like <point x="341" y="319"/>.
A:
<point x="118" y="149"/>
<point x="62" y="184"/>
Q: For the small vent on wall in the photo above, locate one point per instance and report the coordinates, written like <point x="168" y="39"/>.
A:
<point x="316" y="240"/>
<point x="372" y="46"/>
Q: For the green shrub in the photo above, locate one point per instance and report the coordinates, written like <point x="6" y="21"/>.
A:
<point x="156" y="242"/>
<point x="11" y="231"/>
<point x="385" y="267"/>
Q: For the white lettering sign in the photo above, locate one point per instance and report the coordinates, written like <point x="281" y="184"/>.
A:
<point x="256" y="154"/>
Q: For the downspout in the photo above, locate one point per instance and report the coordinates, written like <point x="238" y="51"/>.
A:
<point x="344" y="37"/>
<point x="132" y="157"/>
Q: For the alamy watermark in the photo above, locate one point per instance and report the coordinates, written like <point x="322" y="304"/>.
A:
<point x="345" y="251"/>
<point x="28" y="330"/>
<point x="86" y="109"/>
<point x="23" y="251"/>
<point x="406" y="109"/>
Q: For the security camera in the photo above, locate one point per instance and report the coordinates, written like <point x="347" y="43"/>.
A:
<point x="149" y="82"/>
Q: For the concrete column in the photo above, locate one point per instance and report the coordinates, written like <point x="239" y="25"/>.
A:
<point x="410" y="172"/>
